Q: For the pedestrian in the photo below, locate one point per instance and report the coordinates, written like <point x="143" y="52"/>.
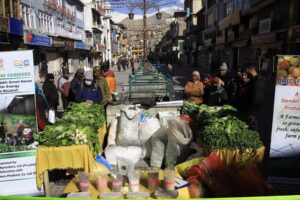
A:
<point x="132" y="66"/>
<point x="110" y="77"/>
<point x="63" y="86"/>
<point x="224" y="75"/>
<point x="76" y="85"/>
<point x="89" y="91"/>
<point x="44" y="68"/>
<point x="243" y="94"/>
<point x="256" y="97"/>
<point x="215" y="93"/>
<point x="169" y="73"/>
<point x="41" y="108"/>
<point x="119" y="65"/>
<point x="51" y="92"/>
<point x="102" y="83"/>
<point x="194" y="89"/>
<point x="234" y="86"/>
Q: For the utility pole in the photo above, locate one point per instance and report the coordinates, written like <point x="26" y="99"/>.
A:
<point x="145" y="32"/>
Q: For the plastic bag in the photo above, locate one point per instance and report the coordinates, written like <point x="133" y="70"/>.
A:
<point x="158" y="142"/>
<point x="51" y="116"/>
<point x="112" y="133"/>
<point x="128" y="127"/>
<point x="147" y="127"/>
<point x="132" y="153"/>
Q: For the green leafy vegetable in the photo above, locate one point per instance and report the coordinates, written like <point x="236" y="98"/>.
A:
<point x="79" y="125"/>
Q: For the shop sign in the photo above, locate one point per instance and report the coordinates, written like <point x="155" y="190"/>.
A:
<point x="4" y="24"/>
<point x="4" y="38"/>
<point x="17" y="91"/>
<point x="285" y="138"/>
<point x="33" y="39"/>
<point x="232" y="19"/>
<point x="263" y="38"/>
<point x="79" y="45"/>
<point x="16" y="27"/>
<point x="58" y="42"/>
<point x="69" y="45"/>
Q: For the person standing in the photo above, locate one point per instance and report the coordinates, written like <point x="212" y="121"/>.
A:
<point x="110" y="78"/>
<point x="216" y="94"/>
<point x="256" y="95"/>
<point x="76" y="85"/>
<point x="132" y="66"/>
<point x="224" y="75"/>
<point x="51" y="92"/>
<point x="44" y="68"/>
<point x="194" y="89"/>
<point x="41" y="108"/>
<point x="63" y="86"/>
<point x="102" y="83"/>
<point x="89" y="91"/>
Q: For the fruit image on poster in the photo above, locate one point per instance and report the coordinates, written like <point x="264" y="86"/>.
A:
<point x="285" y="138"/>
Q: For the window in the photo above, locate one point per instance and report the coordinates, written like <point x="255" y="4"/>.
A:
<point x="45" y="22"/>
<point x="27" y="15"/>
<point x="210" y="19"/>
<point x="228" y="8"/>
<point x="10" y="8"/>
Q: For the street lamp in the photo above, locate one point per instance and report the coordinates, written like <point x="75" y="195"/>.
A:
<point x="144" y="6"/>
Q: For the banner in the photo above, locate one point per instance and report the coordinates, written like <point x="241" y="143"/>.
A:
<point x="285" y="139"/>
<point x="17" y="123"/>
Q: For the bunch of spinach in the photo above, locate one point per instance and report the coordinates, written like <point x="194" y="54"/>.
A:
<point x="4" y="148"/>
<point x="79" y="125"/>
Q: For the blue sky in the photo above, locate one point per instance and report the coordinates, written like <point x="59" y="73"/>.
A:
<point x="120" y="12"/>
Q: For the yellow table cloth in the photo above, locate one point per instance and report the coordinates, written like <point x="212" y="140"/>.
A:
<point x="73" y="186"/>
<point x="68" y="157"/>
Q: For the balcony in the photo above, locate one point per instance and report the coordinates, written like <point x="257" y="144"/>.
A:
<point x="232" y="19"/>
<point x="67" y="34"/>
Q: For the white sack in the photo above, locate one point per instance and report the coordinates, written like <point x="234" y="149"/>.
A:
<point x="147" y="128"/>
<point x="112" y="133"/>
<point x="128" y="127"/>
<point x="131" y="153"/>
<point x="158" y="141"/>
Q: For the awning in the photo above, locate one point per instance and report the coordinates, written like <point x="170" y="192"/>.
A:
<point x="269" y="46"/>
<point x="240" y="43"/>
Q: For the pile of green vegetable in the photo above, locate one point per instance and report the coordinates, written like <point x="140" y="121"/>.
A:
<point x="4" y="148"/>
<point x="79" y="125"/>
<point x="218" y="128"/>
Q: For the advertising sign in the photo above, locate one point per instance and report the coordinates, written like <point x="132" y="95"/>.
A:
<point x="17" y="123"/>
<point x="285" y="139"/>
<point x="33" y="39"/>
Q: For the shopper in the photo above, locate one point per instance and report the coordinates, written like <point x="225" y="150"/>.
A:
<point x="110" y="77"/>
<point x="76" y="85"/>
<point x="224" y="75"/>
<point x="216" y="94"/>
<point x="63" y="86"/>
<point x="194" y="89"/>
<point x="89" y="91"/>
<point x="243" y="94"/>
<point x="51" y="92"/>
<point x="41" y="108"/>
<point x="256" y="97"/>
<point x="234" y="86"/>
<point x="102" y="83"/>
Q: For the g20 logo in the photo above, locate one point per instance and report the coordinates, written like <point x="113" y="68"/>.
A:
<point x="21" y="63"/>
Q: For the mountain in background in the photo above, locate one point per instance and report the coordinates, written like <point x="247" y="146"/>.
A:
<point x="151" y="20"/>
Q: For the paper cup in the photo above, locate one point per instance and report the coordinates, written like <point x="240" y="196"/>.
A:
<point x="117" y="182"/>
<point x="84" y="181"/>
<point x="134" y="181"/>
<point x="153" y="180"/>
<point x="169" y="179"/>
<point x="102" y="179"/>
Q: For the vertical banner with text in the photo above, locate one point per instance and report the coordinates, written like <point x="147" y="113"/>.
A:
<point x="17" y="123"/>
<point x="285" y="139"/>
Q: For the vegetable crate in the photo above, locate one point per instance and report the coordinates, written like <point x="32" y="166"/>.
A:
<point x="142" y="86"/>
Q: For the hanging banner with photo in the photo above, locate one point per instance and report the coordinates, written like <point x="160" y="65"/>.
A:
<point x="285" y="139"/>
<point x="17" y="124"/>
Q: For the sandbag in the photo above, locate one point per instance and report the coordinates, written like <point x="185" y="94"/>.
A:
<point x="128" y="127"/>
<point x="147" y="127"/>
<point x="132" y="153"/>
<point x="158" y="142"/>
<point x="112" y="133"/>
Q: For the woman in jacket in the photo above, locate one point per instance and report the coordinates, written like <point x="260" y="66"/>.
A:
<point x="194" y="89"/>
